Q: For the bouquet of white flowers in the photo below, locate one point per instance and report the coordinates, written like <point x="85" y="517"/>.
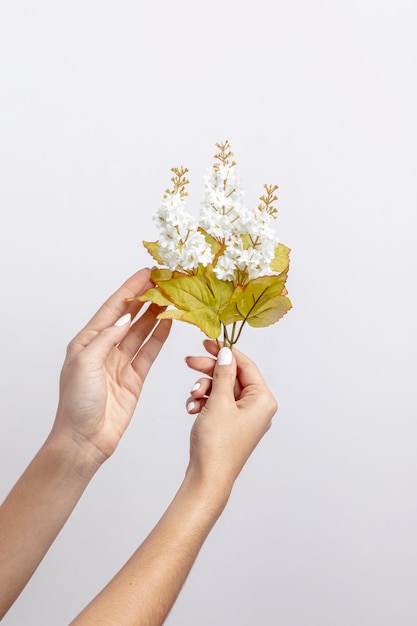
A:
<point x="228" y="270"/>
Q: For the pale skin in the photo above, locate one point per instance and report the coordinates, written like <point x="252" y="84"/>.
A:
<point x="235" y="409"/>
<point x="101" y="381"/>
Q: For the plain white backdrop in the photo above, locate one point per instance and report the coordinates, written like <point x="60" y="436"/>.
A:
<point x="98" y="100"/>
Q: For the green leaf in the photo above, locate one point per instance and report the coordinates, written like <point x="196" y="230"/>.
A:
<point x="160" y="274"/>
<point x="215" y="246"/>
<point x="197" y="292"/>
<point x="171" y="314"/>
<point x="210" y="325"/>
<point x="281" y="260"/>
<point x="188" y="293"/>
<point x="153" y="295"/>
<point x="199" y="297"/>
<point x="220" y="289"/>
<point x="269" y="312"/>
<point x="153" y="249"/>
<point x="249" y="299"/>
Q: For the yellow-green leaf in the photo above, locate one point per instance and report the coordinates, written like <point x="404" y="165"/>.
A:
<point x="207" y="321"/>
<point x="153" y="295"/>
<point x="209" y="324"/>
<point x="269" y="312"/>
<point x="221" y="289"/>
<point x="153" y="249"/>
<point x="171" y="314"/>
<point x="248" y="299"/>
<point x="281" y="259"/>
<point x="215" y="246"/>
<point x="160" y="274"/>
<point x="231" y="313"/>
<point x="200" y="291"/>
<point x="199" y="301"/>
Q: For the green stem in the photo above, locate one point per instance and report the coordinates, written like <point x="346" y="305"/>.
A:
<point x="240" y="330"/>
<point x="226" y="340"/>
<point x="232" y="341"/>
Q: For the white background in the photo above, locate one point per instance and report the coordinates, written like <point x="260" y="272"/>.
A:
<point x="98" y="101"/>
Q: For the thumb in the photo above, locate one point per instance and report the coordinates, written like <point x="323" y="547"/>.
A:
<point x="224" y="374"/>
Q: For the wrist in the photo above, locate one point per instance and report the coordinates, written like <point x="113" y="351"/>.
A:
<point x="211" y="492"/>
<point x="75" y="453"/>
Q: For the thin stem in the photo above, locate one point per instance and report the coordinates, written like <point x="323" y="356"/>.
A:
<point x="226" y="340"/>
<point x="232" y="341"/>
<point x="240" y="330"/>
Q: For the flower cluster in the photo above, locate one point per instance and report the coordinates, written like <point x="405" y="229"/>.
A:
<point x="229" y="268"/>
<point x="247" y="233"/>
<point x="181" y="245"/>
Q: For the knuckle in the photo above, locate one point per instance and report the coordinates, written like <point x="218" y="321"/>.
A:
<point x="225" y="374"/>
<point x="271" y="404"/>
<point x="71" y="348"/>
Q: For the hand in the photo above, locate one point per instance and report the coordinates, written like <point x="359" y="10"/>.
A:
<point x="235" y="409"/>
<point x="105" y="368"/>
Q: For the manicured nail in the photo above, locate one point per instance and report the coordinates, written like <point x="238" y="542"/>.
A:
<point x="190" y="406"/>
<point x="195" y="387"/>
<point x="225" y="356"/>
<point x="125" y="319"/>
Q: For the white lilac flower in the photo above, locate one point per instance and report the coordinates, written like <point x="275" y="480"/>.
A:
<point x="247" y="234"/>
<point x="225" y="268"/>
<point x="249" y="239"/>
<point x="195" y="250"/>
<point x="181" y="246"/>
<point x="222" y="211"/>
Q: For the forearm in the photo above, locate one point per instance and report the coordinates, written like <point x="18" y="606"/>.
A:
<point x="144" y="590"/>
<point x="36" y="509"/>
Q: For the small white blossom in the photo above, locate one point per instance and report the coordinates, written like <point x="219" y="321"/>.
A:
<point x="181" y="246"/>
<point x="247" y="234"/>
<point x="222" y="209"/>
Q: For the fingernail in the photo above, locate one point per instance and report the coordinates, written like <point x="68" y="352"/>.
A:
<point x="195" y="387"/>
<point x="225" y="356"/>
<point x="125" y="319"/>
<point x="190" y="406"/>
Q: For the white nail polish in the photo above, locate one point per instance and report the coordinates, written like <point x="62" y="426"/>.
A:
<point x="225" y="356"/>
<point x="195" y="387"/>
<point x="125" y="319"/>
<point x="190" y="406"/>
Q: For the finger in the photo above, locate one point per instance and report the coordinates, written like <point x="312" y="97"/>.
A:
<point x="254" y="386"/>
<point x="203" y="364"/>
<point x="201" y="388"/>
<point x="147" y="354"/>
<point x="224" y="375"/>
<point x="140" y="330"/>
<point x="247" y="371"/>
<point x="206" y="365"/>
<point x="116" y="305"/>
<point x="135" y="306"/>
<point x="212" y="346"/>
<point x="114" y="308"/>
<point x="194" y="405"/>
<point x="103" y="343"/>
